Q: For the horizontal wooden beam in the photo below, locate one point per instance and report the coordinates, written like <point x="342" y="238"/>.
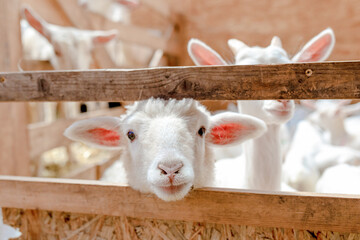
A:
<point x="224" y="206"/>
<point x="329" y="80"/>
<point x="46" y="136"/>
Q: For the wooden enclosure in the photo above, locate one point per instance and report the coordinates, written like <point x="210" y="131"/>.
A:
<point x="82" y="209"/>
<point x="215" y="212"/>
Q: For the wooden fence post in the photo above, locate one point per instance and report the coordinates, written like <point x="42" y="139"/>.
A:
<point x="14" y="147"/>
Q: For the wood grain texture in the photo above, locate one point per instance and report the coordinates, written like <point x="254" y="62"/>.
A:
<point x="256" y="22"/>
<point x="46" y="136"/>
<point x="330" y="80"/>
<point x="13" y="117"/>
<point x="288" y="210"/>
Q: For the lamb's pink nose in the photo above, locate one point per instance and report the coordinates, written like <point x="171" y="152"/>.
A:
<point x="284" y="102"/>
<point x="170" y="169"/>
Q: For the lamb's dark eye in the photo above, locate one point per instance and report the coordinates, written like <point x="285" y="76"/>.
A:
<point x="201" y="131"/>
<point x="131" y="135"/>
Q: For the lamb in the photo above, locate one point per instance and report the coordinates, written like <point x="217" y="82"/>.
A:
<point x="166" y="143"/>
<point x="122" y="54"/>
<point x="312" y="152"/>
<point x="72" y="49"/>
<point x="331" y="118"/>
<point x="260" y="174"/>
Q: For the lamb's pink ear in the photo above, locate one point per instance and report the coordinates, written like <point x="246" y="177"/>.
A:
<point x="317" y="49"/>
<point x="104" y="37"/>
<point x="234" y="128"/>
<point x="36" y="22"/>
<point x="202" y="54"/>
<point x="100" y="132"/>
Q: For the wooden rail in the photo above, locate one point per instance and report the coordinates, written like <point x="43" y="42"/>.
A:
<point x="226" y="206"/>
<point x="329" y="80"/>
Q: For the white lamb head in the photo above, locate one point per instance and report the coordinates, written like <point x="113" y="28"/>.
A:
<point x="166" y="143"/>
<point x="330" y="115"/>
<point x="72" y="47"/>
<point x="271" y="111"/>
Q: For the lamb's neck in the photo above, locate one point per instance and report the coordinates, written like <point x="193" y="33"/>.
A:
<point x="263" y="160"/>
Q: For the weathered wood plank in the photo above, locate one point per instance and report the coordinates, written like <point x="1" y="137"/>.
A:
<point x="226" y="206"/>
<point x="13" y="118"/>
<point x="329" y="80"/>
<point x="46" y="136"/>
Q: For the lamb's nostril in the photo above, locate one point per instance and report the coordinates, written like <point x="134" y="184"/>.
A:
<point x="170" y="168"/>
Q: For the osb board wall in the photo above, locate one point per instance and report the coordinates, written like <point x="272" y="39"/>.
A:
<point x="256" y="22"/>
<point x="35" y="224"/>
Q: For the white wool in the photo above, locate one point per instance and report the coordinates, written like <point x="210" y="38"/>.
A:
<point x="167" y="143"/>
<point x="34" y="45"/>
<point x="311" y="153"/>
<point x="343" y="179"/>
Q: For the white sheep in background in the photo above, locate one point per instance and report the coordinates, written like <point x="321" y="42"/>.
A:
<point x="7" y="232"/>
<point x="122" y="54"/>
<point x="342" y="178"/>
<point x="320" y="141"/>
<point x="166" y="144"/>
<point x="331" y="118"/>
<point x="263" y="156"/>
<point x="72" y="49"/>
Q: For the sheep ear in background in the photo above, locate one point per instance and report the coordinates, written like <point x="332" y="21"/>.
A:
<point x="233" y="128"/>
<point x="236" y="45"/>
<point x="104" y="37"/>
<point x="36" y="22"/>
<point x="318" y="48"/>
<point x="202" y="54"/>
<point x="100" y="132"/>
<point x="276" y="42"/>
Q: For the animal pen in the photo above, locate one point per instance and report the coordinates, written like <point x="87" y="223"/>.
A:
<point x="46" y="208"/>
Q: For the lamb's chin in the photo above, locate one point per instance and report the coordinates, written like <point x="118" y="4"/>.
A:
<point x="173" y="192"/>
<point x="281" y="115"/>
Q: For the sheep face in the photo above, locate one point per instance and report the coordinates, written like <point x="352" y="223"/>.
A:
<point x="167" y="149"/>
<point x="72" y="47"/>
<point x="270" y="111"/>
<point x="167" y="143"/>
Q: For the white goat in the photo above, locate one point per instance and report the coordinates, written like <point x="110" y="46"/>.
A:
<point x="7" y="232"/>
<point x="166" y="143"/>
<point x="331" y="119"/>
<point x="72" y="49"/>
<point x="122" y="54"/>
<point x="313" y="151"/>
<point x="263" y="158"/>
<point x="342" y="178"/>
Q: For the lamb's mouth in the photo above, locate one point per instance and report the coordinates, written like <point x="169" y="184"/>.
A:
<point x="172" y="189"/>
<point x="279" y="112"/>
